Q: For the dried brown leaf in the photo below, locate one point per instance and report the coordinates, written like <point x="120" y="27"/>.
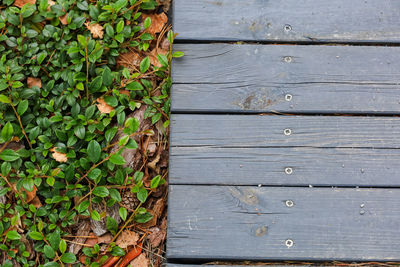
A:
<point x="129" y="60"/>
<point x="36" y="202"/>
<point x="157" y="236"/>
<point x="127" y="238"/>
<point x="21" y="3"/>
<point x="106" y="238"/>
<point x="140" y="261"/>
<point x="34" y="82"/>
<point x="50" y="4"/>
<point x="58" y="156"/>
<point x="95" y="29"/>
<point x="103" y="106"/>
<point x="158" y="22"/>
<point x="63" y="19"/>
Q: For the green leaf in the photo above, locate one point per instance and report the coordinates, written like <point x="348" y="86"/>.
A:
<point x="114" y="194"/>
<point x="3" y="85"/>
<point x="101" y="191"/>
<point x="162" y="59"/>
<point x="4" y="99"/>
<point x="142" y="194"/>
<point x="107" y="76"/>
<point x="144" y="65"/>
<point x="83" y="206"/>
<point x="95" y="84"/>
<point x="54" y="239"/>
<point x="117" y="159"/>
<point x="123" y="213"/>
<point x="7" y="132"/>
<point x="94" y="174"/>
<point x="28" y="10"/>
<point x="120" y="26"/>
<point x="112" y="225"/>
<point x="147" y="22"/>
<point x="111" y="100"/>
<point x="143" y="218"/>
<point x="94" y="151"/>
<point x="124" y="139"/>
<point x="155" y="181"/>
<point x="9" y="155"/>
<point x="178" y="54"/>
<point x="63" y="246"/>
<point x="13" y="235"/>
<point x="35" y="235"/>
<point x="95" y="215"/>
<point x="110" y="133"/>
<point x="41" y="56"/>
<point x="22" y="107"/>
<point x="80" y="131"/>
<point x="134" y="86"/>
<point x="82" y="40"/>
<point x="49" y="252"/>
<point x="68" y="258"/>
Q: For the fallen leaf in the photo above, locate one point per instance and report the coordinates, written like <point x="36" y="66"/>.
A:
<point x="129" y="60"/>
<point x="103" y="106"/>
<point x="34" y="82"/>
<point x="140" y="261"/>
<point x="50" y="4"/>
<point x="100" y="227"/>
<point x="58" y="156"/>
<point x="124" y="92"/>
<point x="29" y="195"/>
<point x="36" y="202"/>
<point x="165" y="45"/>
<point x="157" y="236"/>
<point x="21" y="3"/>
<point x="92" y="241"/>
<point x="106" y="238"/>
<point x="95" y="29"/>
<point x="63" y="19"/>
<point x="158" y="22"/>
<point x="127" y="238"/>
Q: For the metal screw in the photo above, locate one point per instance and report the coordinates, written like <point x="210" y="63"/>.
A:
<point x="362" y="205"/>
<point x="289" y="243"/>
<point x="287" y="28"/>
<point x="287" y="59"/>
<point x="288" y="170"/>
<point x="289" y="203"/>
<point x="288" y="97"/>
<point x="362" y="212"/>
<point x="287" y="132"/>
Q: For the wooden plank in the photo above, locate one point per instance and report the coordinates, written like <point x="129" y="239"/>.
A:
<point x="285" y="166"/>
<point x="262" y="78"/>
<point x="251" y="223"/>
<point x="269" y="131"/>
<point x="232" y="265"/>
<point x="289" y="20"/>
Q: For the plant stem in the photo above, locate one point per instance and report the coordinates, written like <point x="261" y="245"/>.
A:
<point x="20" y="122"/>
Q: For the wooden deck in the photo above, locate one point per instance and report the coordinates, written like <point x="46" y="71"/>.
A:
<point x="286" y="145"/>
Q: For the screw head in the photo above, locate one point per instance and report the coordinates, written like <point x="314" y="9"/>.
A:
<point x="289" y="203"/>
<point x="287" y="132"/>
<point x="287" y="59"/>
<point x="288" y="170"/>
<point x="288" y="97"/>
<point x="287" y="28"/>
<point x="289" y="243"/>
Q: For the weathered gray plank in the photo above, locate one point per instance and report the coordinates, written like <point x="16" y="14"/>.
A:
<point x="269" y="131"/>
<point x="257" y="78"/>
<point x="231" y="265"/>
<point x="285" y="166"/>
<point x="251" y="223"/>
<point x="289" y="20"/>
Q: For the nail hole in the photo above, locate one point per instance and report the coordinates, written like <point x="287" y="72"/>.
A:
<point x="287" y="132"/>
<point x="288" y="97"/>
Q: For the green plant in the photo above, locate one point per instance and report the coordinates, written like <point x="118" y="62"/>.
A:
<point x="58" y="71"/>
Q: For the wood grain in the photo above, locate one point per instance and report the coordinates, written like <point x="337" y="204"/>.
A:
<point x="258" y="78"/>
<point x="269" y="131"/>
<point x="251" y="223"/>
<point x="285" y="166"/>
<point x="289" y="20"/>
